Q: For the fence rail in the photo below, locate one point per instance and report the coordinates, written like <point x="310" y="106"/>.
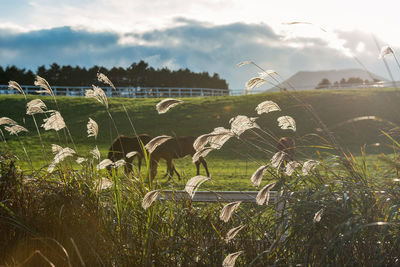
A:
<point x="129" y="92"/>
<point x="215" y="196"/>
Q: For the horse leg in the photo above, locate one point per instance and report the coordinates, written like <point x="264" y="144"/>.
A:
<point x="174" y="170"/>
<point x="153" y="169"/>
<point x="128" y="166"/>
<point x="203" y="161"/>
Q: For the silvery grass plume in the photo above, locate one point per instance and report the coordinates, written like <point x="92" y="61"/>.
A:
<point x="264" y="194"/>
<point x="166" y="104"/>
<point x="16" y="86"/>
<point x="104" y="164"/>
<point x="303" y="22"/>
<point x="308" y="166"/>
<point x="103" y="78"/>
<point x="54" y="122"/>
<point x="267" y="106"/>
<point x="194" y="183"/>
<point x="290" y="167"/>
<point x="287" y="122"/>
<point x="6" y="120"/>
<point x="60" y="156"/>
<point x="232" y="233"/>
<point x="156" y="141"/>
<point x="98" y="94"/>
<point x="241" y="123"/>
<point x="201" y="153"/>
<point x="385" y="50"/>
<point x="131" y="154"/>
<point x="244" y="63"/>
<point x="217" y="138"/>
<point x="35" y="106"/>
<point x="228" y="210"/>
<point x="119" y="163"/>
<point x="41" y="82"/>
<point x="266" y="73"/>
<point x="55" y="149"/>
<point x="318" y="215"/>
<point x="149" y="198"/>
<point x="103" y="184"/>
<point x="92" y="128"/>
<point x="96" y="153"/>
<point x="15" y="129"/>
<point x="277" y="158"/>
<point x="80" y="160"/>
<point x="230" y="260"/>
<point x="258" y="175"/>
<point x="254" y="83"/>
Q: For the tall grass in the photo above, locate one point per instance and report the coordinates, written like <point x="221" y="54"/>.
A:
<point x="328" y="211"/>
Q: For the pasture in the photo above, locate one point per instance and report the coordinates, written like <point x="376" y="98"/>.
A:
<point x="341" y="210"/>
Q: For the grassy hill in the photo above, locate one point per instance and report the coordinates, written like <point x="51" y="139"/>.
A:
<point x="196" y="116"/>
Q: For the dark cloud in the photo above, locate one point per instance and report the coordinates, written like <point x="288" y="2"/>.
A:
<point x="196" y="45"/>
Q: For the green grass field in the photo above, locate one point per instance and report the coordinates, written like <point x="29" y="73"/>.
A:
<point x="232" y="166"/>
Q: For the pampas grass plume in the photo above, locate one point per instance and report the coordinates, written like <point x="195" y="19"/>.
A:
<point x="194" y="183"/>
<point x="149" y="198"/>
<point x="156" y="141"/>
<point x="228" y="210"/>
<point x="164" y="105"/>
<point x="264" y="194"/>
<point x="230" y="260"/>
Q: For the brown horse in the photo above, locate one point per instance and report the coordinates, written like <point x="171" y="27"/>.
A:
<point x="122" y="145"/>
<point x="175" y="148"/>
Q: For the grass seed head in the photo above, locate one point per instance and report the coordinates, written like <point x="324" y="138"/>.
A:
<point x="149" y="198"/>
<point x="164" y="105"/>
<point x="230" y="260"/>
<point x="228" y="210"/>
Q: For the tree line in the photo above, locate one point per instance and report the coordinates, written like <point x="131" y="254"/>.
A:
<point x="137" y="75"/>
<point x="325" y="83"/>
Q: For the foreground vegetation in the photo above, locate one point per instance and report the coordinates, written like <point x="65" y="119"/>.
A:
<point x="344" y="210"/>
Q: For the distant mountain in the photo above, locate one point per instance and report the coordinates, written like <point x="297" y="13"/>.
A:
<point x="305" y="80"/>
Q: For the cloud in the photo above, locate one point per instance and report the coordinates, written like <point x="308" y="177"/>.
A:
<point x="198" y="46"/>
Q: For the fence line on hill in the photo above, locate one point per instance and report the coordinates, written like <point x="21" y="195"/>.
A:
<point x="128" y="92"/>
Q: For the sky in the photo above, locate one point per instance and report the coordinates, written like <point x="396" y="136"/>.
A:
<point x="202" y="35"/>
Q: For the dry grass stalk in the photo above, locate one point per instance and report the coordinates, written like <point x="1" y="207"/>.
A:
<point x="6" y="120"/>
<point x="156" y="141"/>
<point x="60" y="156"/>
<point x="92" y="128"/>
<point x="244" y="63"/>
<point x="308" y="166"/>
<point x="16" y="86"/>
<point x="41" y="82"/>
<point x="264" y="194"/>
<point x="228" y="210"/>
<point x="290" y="167"/>
<point x="96" y="153"/>
<point x="385" y="50"/>
<point x="98" y="94"/>
<point x="258" y="175"/>
<point x="132" y="154"/>
<point x="318" y="215"/>
<point x="233" y="232"/>
<point x="15" y="129"/>
<point x="277" y="159"/>
<point x="103" y="184"/>
<point x="35" y="106"/>
<point x="216" y="139"/>
<point x="149" y="198"/>
<point x="119" y="163"/>
<point x="254" y="83"/>
<point x="267" y="106"/>
<point x="80" y="160"/>
<point x="55" y="149"/>
<point x="201" y="153"/>
<point x="267" y="73"/>
<point x="194" y="183"/>
<point x="287" y="122"/>
<point x="230" y="260"/>
<point x="241" y="123"/>
<point x="166" y="104"/>
<point x="103" y="78"/>
<point x="104" y="163"/>
<point x="54" y="122"/>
